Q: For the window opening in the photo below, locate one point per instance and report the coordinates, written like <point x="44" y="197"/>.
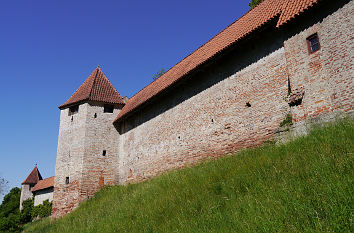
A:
<point x="313" y="43"/>
<point x="107" y="108"/>
<point x="95" y="116"/>
<point x="67" y="180"/>
<point x="104" y="152"/>
<point x="73" y="109"/>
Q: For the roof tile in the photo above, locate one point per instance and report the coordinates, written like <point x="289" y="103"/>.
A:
<point x="43" y="184"/>
<point x="96" y="87"/>
<point x="293" y="8"/>
<point x="33" y="177"/>
<point x="255" y="18"/>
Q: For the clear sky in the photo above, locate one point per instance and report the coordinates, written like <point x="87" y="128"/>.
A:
<point x="48" y="48"/>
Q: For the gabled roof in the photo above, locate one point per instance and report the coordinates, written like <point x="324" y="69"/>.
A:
<point x="248" y="23"/>
<point x="44" y="184"/>
<point x="33" y="177"/>
<point x="97" y="87"/>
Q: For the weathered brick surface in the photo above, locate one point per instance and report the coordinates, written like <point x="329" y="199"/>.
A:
<point x="237" y="101"/>
<point x="213" y="120"/>
<point x="186" y="126"/>
<point x="326" y="75"/>
<point x="79" y="156"/>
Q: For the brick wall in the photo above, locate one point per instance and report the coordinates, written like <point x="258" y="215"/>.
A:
<point x="82" y="139"/>
<point x="207" y="116"/>
<point x="99" y="169"/>
<point x="236" y="101"/>
<point x="326" y="75"/>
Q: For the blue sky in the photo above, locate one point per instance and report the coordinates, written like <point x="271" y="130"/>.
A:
<point x="48" y="48"/>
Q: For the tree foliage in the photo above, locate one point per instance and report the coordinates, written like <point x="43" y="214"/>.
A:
<point x="254" y="3"/>
<point x="10" y="203"/>
<point x="12" y="220"/>
<point x="10" y="216"/>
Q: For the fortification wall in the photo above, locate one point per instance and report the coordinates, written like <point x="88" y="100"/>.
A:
<point x="326" y="75"/>
<point x="237" y="101"/>
<point x="233" y="104"/>
<point x="69" y="162"/>
<point x="83" y="137"/>
<point x="208" y="116"/>
<point x="99" y="169"/>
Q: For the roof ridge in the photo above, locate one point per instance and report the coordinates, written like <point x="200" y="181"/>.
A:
<point x="95" y="88"/>
<point x="93" y="83"/>
<point x="114" y="89"/>
<point x="246" y="24"/>
<point x="252" y="20"/>
<point x="33" y="177"/>
<point x="263" y="2"/>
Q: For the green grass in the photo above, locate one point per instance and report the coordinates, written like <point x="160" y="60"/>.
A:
<point x="303" y="186"/>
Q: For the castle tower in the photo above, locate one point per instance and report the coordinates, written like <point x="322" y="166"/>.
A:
<point x="27" y="185"/>
<point x="86" y="155"/>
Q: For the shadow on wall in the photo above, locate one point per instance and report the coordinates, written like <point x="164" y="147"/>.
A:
<point x="248" y="51"/>
<point x="312" y="16"/>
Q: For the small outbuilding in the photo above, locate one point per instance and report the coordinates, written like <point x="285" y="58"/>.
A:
<point x="37" y="187"/>
<point x="43" y="190"/>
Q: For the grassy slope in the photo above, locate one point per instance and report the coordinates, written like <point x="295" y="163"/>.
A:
<point x="303" y="186"/>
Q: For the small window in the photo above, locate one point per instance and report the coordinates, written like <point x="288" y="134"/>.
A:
<point x="104" y="152"/>
<point x="67" y="180"/>
<point x="313" y="43"/>
<point x="108" y="108"/>
<point x="73" y="109"/>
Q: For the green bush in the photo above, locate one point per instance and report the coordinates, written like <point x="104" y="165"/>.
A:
<point x="43" y="210"/>
<point x="26" y="213"/>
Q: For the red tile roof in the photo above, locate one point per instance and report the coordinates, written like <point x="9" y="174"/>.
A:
<point x="293" y="8"/>
<point x="248" y="23"/>
<point x="33" y="177"/>
<point x="43" y="184"/>
<point x="97" y="87"/>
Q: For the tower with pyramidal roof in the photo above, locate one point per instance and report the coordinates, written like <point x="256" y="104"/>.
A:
<point x="86" y="155"/>
<point x="28" y="184"/>
<point x="282" y="59"/>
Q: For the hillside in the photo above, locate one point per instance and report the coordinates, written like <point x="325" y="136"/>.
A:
<point x="306" y="185"/>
